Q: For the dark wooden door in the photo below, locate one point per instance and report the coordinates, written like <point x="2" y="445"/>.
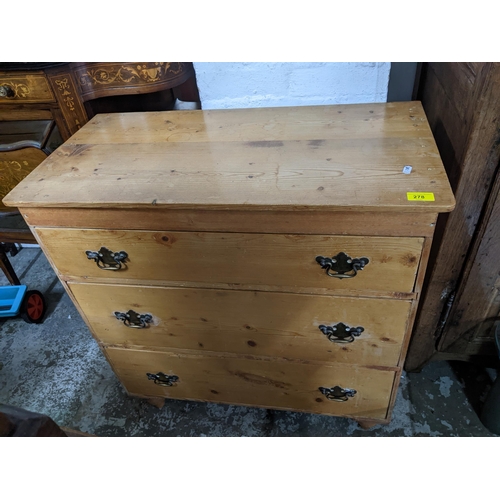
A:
<point x="469" y="326"/>
<point x="462" y="102"/>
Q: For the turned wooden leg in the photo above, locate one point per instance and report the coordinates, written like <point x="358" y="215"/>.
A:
<point x="7" y="268"/>
<point x="158" y="402"/>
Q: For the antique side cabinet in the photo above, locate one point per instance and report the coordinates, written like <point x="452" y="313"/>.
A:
<point x="268" y="257"/>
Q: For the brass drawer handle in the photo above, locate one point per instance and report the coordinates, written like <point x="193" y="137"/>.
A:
<point x="134" y="320"/>
<point x="6" y="91"/>
<point x="341" y="333"/>
<point x="342" y="265"/>
<point x="108" y="260"/>
<point x="162" y="379"/>
<point x="337" y="393"/>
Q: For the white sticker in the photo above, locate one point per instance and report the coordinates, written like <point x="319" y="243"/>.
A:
<point x="407" y="169"/>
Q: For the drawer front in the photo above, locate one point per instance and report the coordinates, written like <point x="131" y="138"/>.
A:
<point x="250" y="323"/>
<point x="22" y="88"/>
<point x="273" y="260"/>
<point x="271" y="384"/>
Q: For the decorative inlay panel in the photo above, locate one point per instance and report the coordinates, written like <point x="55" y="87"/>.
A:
<point x="69" y="101"/>
<point x="119" y="74"/>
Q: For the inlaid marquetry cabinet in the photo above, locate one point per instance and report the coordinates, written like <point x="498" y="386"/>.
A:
<point x="269" y="257"/>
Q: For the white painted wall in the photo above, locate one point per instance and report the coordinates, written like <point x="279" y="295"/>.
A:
<point x="248" y="85"/>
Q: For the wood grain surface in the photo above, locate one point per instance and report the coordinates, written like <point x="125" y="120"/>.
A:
<point x="239" y="221"/>
<point x="248" y="323"/>
<point x="256" y="259"/>
<point x="270" y="384"/>
<point x="311" y="157"/>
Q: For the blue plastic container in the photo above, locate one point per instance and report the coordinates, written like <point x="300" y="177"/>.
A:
<point x="11" y="298"/>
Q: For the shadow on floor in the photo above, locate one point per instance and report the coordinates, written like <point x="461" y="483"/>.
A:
<point x="476" y="380"/>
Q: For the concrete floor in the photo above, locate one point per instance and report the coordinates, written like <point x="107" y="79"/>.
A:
<point x="57" y="369"/>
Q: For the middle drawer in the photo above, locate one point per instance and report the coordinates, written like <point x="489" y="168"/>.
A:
<point x="295" y="326"/>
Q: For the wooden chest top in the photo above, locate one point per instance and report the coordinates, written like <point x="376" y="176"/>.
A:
<point x="325" y="158"/>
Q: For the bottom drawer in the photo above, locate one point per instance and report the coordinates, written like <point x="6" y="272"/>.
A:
<point x="253" y="382"/>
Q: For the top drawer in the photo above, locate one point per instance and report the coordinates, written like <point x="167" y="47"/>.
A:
<point x="24" y="88"/>
<point x="266" y="261"/>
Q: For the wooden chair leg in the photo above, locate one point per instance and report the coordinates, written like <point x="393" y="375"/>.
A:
<point x="7" y="268"/>
<point x="187" y="91"/>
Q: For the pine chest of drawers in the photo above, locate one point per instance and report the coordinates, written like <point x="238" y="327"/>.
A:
<point x="269" y="257"/>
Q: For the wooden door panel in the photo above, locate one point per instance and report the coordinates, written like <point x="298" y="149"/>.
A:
<point x="462" y="102"/>
<point x="478" y="302"/>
